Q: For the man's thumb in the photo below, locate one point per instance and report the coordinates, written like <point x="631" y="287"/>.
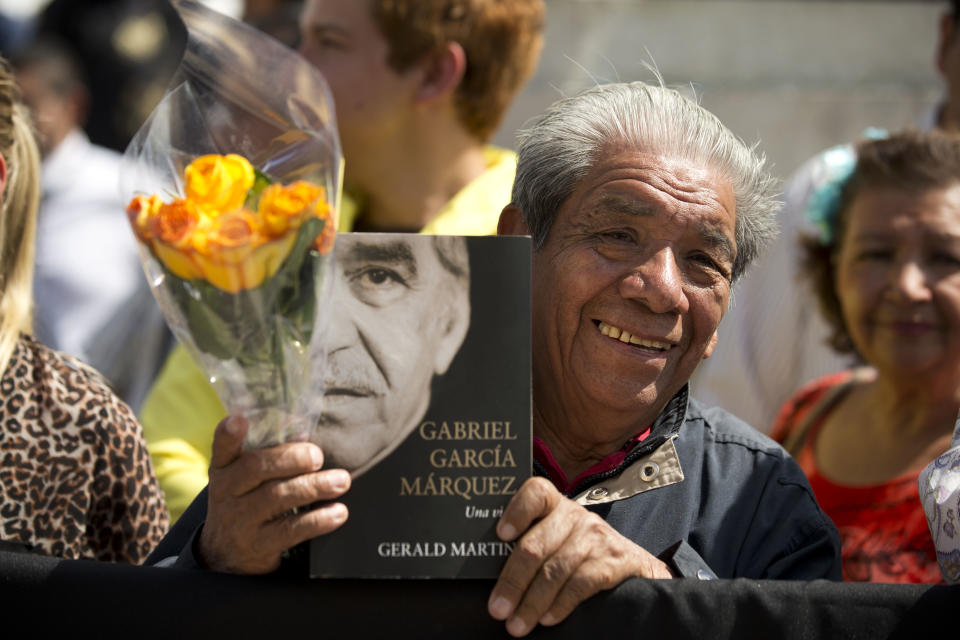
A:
<point x="228" y="440"/>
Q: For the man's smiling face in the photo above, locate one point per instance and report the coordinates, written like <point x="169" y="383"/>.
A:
<point x="631" y="284"/>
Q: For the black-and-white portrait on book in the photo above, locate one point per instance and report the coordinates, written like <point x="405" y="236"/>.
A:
<point x="401" y="311"/>
<point x="427" y="403"/>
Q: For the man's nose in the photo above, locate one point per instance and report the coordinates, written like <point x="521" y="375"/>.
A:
<point x="909" y="282"/>
<point x="657" y="282"/>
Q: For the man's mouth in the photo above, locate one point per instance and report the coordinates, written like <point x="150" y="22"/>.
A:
<point x="624" y="336"/>
<point x="343" y="391"/>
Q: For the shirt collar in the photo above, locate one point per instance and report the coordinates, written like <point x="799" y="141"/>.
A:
<point x="665" y="427"/>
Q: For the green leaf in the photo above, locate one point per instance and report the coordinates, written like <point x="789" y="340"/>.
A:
<point x="260" y="182"/>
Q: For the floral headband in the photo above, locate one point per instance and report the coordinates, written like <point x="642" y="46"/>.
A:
<point x="830" y="174"/>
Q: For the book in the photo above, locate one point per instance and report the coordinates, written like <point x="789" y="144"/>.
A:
<point x="428" y="403"/>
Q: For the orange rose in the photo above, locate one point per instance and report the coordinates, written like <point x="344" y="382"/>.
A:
<point x="140" y="211"/>
<point x="324" y="241"/>
<point x="229" y="237"/>
<point x="217" y="184"/>
<point x="174" y="223"/>
<point x="282" y="207"/>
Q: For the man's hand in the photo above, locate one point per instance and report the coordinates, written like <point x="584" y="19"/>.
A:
<point x="251" y="494"/>
<point x="564" y="555"/>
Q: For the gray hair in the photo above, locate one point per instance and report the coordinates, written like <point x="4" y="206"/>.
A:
<point x="560" y="147"/>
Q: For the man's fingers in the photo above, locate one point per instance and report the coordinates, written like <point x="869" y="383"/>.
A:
<point x="541" y="593"/>
<point x="254" y="468"/>
<point x="536" y="498"/>
<point x="600" y="573"/>
<point x="591" y="578"/>
<point x="260" y="551"/>
<point x="277" y="497"/>
<point x="567" y="555"/>
<point x="532" y="555"/>
<point x="292" y="529"/>
<point x="247" y="534"/>
<point x="556" y="550"/>
<point x="228" y="441"/>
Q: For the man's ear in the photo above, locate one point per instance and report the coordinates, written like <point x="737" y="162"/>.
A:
<point x="442" y="72"/>
<point x="511" y="222"/>
<point x="947" y="34"/>
<point x="3" y="176"/>
<point x="454" y="322"/>
<point x="711" y="345"/>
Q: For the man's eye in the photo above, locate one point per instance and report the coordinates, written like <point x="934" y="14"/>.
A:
<point x="379" y="276"/>
<point x="617" y="235"/>
<point x="946" y="258"/>
<point x="873" y="254"/>
<point x="706" y="262"/>
<point x="329" y="43"/>
<point x="378" y="286"/>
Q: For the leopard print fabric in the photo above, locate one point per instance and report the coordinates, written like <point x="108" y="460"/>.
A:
<point x="75" y="477"/>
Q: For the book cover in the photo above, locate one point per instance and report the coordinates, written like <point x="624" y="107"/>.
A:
<point x="428" y="403"/>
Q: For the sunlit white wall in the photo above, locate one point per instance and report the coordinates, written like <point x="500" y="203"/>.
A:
<point x="797" y="75"/>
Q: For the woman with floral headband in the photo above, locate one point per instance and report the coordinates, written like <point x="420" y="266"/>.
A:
<point x="75" y="477"/>
<point x="886" y="269"/>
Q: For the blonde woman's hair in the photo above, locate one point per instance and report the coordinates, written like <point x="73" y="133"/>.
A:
<point x="18" y="215"/>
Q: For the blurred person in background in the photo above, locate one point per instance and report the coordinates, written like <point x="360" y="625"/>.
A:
<point x="774" y="340"/>
<point x="885" y="265"/>
<point x="419" y="87"/>
<point x="75" y="477"/>
<point x="15" y="31"/>
<point x="278" y="18"/>
<point x="127" y="49"/>
<point x="92" y="300"/>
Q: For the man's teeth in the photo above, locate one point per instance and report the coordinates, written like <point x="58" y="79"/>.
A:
<point x="624" y="336"/>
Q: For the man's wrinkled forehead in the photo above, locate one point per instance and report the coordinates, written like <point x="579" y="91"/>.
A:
<point x="609" y="187"/>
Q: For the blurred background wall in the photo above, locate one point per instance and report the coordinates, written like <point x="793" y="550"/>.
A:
<point x="795" y="75"/>
<point x="798" y="76"/>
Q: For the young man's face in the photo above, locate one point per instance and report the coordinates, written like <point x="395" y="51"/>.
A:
<point x="54" y="115"/>
<point x="399" y="319"/>
<point x="373" y="101"/>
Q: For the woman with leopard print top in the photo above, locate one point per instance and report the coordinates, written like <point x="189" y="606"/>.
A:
<point x="75" y="477"/>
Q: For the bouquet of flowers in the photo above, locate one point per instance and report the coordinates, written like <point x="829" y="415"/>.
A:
<point x="234" y="183"/>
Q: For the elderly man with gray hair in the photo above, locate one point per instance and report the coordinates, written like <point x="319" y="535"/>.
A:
<point x="644" y="209"/>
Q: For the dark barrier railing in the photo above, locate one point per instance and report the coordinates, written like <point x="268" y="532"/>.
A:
<point x="50" y="597"/>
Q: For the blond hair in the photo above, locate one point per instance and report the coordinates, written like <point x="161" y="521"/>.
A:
<point x="18" y="215"/>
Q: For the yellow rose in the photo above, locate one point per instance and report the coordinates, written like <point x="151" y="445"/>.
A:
<point x="283" y="207"/>
<point x="229" y="237"/>
<point x="140" y="211"/>
<point x="218" y="184"/>
<point x="234" y="255"/>
<point x="181" y="263"/>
